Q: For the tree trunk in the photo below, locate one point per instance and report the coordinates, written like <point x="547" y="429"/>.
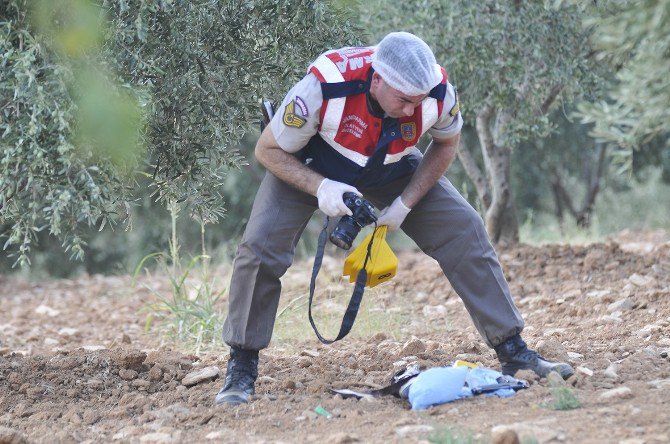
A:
<point x="592" y="178"/>
<point x="502" y="223"/>
<point x="500" y="210"/>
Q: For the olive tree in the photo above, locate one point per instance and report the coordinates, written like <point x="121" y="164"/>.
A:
<point x="196" y="70"/>
<point x="51" y="178"/>
<point x="511" y="62"/>
<point x="633" y="37"/>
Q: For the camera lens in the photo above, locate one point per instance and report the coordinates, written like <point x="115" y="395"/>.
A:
<point x="345" y="232"/>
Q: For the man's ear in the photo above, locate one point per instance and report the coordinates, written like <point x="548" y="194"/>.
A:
<point x="376" y="79"/>
<point x="376" y="82"/>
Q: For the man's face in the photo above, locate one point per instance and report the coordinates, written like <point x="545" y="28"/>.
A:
<point x="394" y="103"/>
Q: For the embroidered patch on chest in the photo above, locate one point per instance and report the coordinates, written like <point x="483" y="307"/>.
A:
<point x="354" y="125"/>
<point x="408" y="131"/>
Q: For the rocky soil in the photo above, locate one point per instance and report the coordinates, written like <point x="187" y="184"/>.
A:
<point x="76" y="364"/>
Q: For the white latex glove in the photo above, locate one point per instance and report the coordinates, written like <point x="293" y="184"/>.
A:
<point x="330" y="197"/>
<point x="394" y="214"/>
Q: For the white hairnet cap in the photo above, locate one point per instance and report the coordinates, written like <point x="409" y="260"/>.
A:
<point x="406" y="63"/>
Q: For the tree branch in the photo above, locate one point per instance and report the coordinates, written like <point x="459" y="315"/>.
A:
<point x="551" y="98"/>
<point x="592" y="187"/>
<point x="483" y="126"/>
<point x="475" y="174"/>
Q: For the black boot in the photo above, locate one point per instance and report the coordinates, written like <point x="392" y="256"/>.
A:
<point x="514" y="355"/>
<point x="241" y="376"/>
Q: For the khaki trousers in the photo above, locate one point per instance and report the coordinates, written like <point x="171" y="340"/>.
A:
<point x="443" y="225"/>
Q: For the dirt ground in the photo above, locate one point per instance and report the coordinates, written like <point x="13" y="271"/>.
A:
<point x="77" y="366"/>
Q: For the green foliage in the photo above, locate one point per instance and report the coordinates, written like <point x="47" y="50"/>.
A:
<point x="633" y="37"/>
<point x="453" y="435"/>
<point x="51" y="178"/>
<point x="84" y="82"/>
<point x="207" y="64"/>
<point x="189" y="314"/>
<point x="564" y="398"/>
<point x="510" y="55"/>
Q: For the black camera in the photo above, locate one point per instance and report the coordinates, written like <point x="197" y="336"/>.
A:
<point x="348" y="227"/>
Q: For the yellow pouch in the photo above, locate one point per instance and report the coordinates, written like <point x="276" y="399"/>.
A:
<point x="382" y="265"/>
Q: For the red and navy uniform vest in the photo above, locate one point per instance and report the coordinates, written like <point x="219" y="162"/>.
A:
<point x="354" y="144"/>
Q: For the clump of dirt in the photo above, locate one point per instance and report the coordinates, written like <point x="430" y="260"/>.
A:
<point x="70" y="374"/>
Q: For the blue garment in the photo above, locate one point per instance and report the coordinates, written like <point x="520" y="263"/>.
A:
<point x="437" y="386"/>
<point x="440" y="385"/>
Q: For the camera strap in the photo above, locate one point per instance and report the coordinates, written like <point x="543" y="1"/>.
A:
<point x="356" y="297"/>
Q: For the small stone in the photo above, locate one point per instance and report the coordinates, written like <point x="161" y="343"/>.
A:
<point x="504" y="435"/>
<point x="72" y="416"/>
<point x="661" y="384"/>
<point x="625" y="304"/>
<point x="157" y="437"/>
<point x="413" y="430"/>
<point x="378" y="337"/>
<point x="575" y="356"/>
<point x="125" y="339"/>
<point x="198" y="376"/>
<point x="527" y="375"/>
<point x="310" y="353"/>
<point x="68" y="331"/>
<point x="598" y="294"/>
<point x="155" y="373"/>
<point x="127" y="374"/>
<point x="434" y="311"/>
<point x="304" y="362"/>
<point x="421" y="297"/>
<point x="614" y="318"/>
<point x="554" y="379"/>
<point x="46" y="310"/>
<point x="413" y="347"/>
<point x="639" y="280"/>
<point x="584" y="370"/>
<point x="557" y="331"/>
<point x="611" y="371"/>
<point x="126" y="433"/>
<point x="93" y="348"/>
<point x="651" y="328"/>
<point x="95" y="383"/>
<point x="265" y="379"/>
<point x="220" y="435"/>
<point x="51" y="341"/>
<point x="141" y="384"/>
<point x="664" y="342"/>
<point x="622" y="392"/>
<point x="90" y="417"/>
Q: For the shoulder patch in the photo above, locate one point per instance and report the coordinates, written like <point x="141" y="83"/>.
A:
<point x="457" y="107"/>
<point x="290" y="118"/>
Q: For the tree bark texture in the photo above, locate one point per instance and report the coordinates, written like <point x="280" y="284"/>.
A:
<point x="593" y="172"/>
<point x="500" y="210"/>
